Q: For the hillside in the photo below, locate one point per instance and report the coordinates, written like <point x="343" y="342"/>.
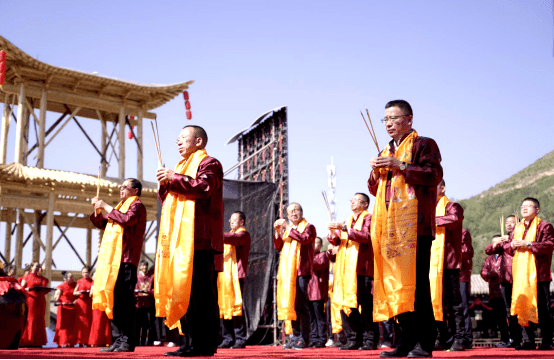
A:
<point x="482" y="212"/>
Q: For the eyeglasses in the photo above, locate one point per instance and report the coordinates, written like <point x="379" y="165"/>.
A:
<point x="526" y="206"/>
<point x="123" y="187"/>
<point x="392" y="118"/>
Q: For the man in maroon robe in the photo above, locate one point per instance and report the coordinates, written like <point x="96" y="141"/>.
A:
<point x="424" y="172"/>
<point x="451" y="329"/>
<point x="133" y="223"/>
<point x="318" y="293"/>
<point x="202" y="317"/>
<point x="465" y="283"/>
<point x="301" y="326"/>
<point x="359" y="327"/>
<point x="542" y="249"/>
<point x="234" y="330"/>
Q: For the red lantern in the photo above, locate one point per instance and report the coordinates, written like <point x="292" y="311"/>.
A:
<point x="3" y="56"/>
<point x="130" y="135"/>
<point x="186" y="95"/>
<point x="2" y="67"/>
<point x="189" y="115"/>
<point x="187" y="105"/>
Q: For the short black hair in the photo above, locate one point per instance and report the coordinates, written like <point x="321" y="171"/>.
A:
<point x="144" y="262"/>
<point x="135" y="184"/>
<point x="86" y="267"/>
<point x="533" y="200"/>
<point x="241" y="215"/>
<point x="200" y="132"/>
<point x="402" y="104"/>
<point x="300" y="206"/>
<point x="364" y="196"/>
<point x="510" y="216"/>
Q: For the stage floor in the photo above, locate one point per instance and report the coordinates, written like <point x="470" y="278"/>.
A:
<point x="264" y="352"/>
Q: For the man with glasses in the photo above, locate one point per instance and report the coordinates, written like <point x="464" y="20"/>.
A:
<point x="404" y="179"/>
<point x="295" y="242"/>
<point x="531" y="245"/>
<point x="124" y="228"/>
<point x="190" y="237"/>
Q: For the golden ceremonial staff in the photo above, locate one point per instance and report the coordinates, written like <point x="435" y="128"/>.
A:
<point x="98" y="182"/>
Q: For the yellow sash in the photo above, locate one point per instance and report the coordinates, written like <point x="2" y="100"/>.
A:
<point x="436" y="269"/>
<point x="394" y="240"/>
<point x="109" y="259"/>
<point x="286" y="277"/>
<point x="175" y="253"/>
<point x="336" y="321"/>
<point x="345" y="276"/>
<point x="228" y="286"/>
<point x="524" y="268"/>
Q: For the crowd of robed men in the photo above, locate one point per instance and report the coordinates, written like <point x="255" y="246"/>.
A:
<point x="402" y="261"/>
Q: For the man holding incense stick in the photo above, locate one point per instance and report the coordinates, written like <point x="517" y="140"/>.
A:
<point x="190" y="244"/>
<point x="118" y="258"/>
<point x="353" y="275"/>
<point x="506" y="279"/>
<point x="295" y="242"/>
<point x="404" y="181"/>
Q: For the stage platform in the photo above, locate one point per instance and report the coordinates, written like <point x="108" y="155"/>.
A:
<point x="264" y="352"/>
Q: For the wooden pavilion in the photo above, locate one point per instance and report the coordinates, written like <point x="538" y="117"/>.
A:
<point x="33" y="196"/>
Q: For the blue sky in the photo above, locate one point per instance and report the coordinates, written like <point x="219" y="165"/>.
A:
<point x="477" y="73"/>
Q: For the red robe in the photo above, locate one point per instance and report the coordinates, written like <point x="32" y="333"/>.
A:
<point x="35" y="330"/>
<point x="65" y="321"/>
<point x="83" y="312"/>
<point x="101" y="330"/>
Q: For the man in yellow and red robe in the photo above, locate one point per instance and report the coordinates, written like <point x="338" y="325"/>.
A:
<point x="404" y="180"/>
<point x="114" y="290"/>
<point x="531" y="244"/>
<point x="190" y="244"/>
<point x="450" y="326"/>
<point x="353" y="276"/>
<point x="237" y="248"/>
<point x="295" y="242"/>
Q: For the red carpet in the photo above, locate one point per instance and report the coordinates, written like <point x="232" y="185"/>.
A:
<point x="264" y="352"/>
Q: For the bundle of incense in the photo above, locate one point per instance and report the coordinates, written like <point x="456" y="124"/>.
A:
<point x="502" y="224"/>
<point x="327" y="205"/>
<point x="371" y="131"/>
<point x="157" y="142"/>
<point x="98" y="182"/>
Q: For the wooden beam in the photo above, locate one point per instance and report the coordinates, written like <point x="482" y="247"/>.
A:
<point x="42" y="128"/>
<point x="89" y="246"/>
<point x="19" y="238"/>
<point x="5" y="129"/>
<point x="140" y="147"/>
<point x="8" y="236"/>
<point x="20" y="129"/>
<point x="75" y="112"/>
<point x="48" y="252"/>
<point x="122" y="143"/>
<point x="36" y="234"/>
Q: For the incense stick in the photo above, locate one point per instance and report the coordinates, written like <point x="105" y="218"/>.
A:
<point x="158" y="135"/>
<point x="98" y="182"/>
<point x="371" y="123"/>
<point x="371" y="133"/>
<point x="327" y="205"/>
<point x="502" y="224"/>
<point x="157" y="146"/>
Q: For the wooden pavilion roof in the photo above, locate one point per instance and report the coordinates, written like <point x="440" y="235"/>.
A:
<point x="28" y="187"/>
<point x="102" y="92"/>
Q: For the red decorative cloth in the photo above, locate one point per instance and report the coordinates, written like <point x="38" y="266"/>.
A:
<point x="65" y="319"/>
<point x="35" y="330"/>
<point x="7" y="283"/>
<point x="83" y="312"/>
